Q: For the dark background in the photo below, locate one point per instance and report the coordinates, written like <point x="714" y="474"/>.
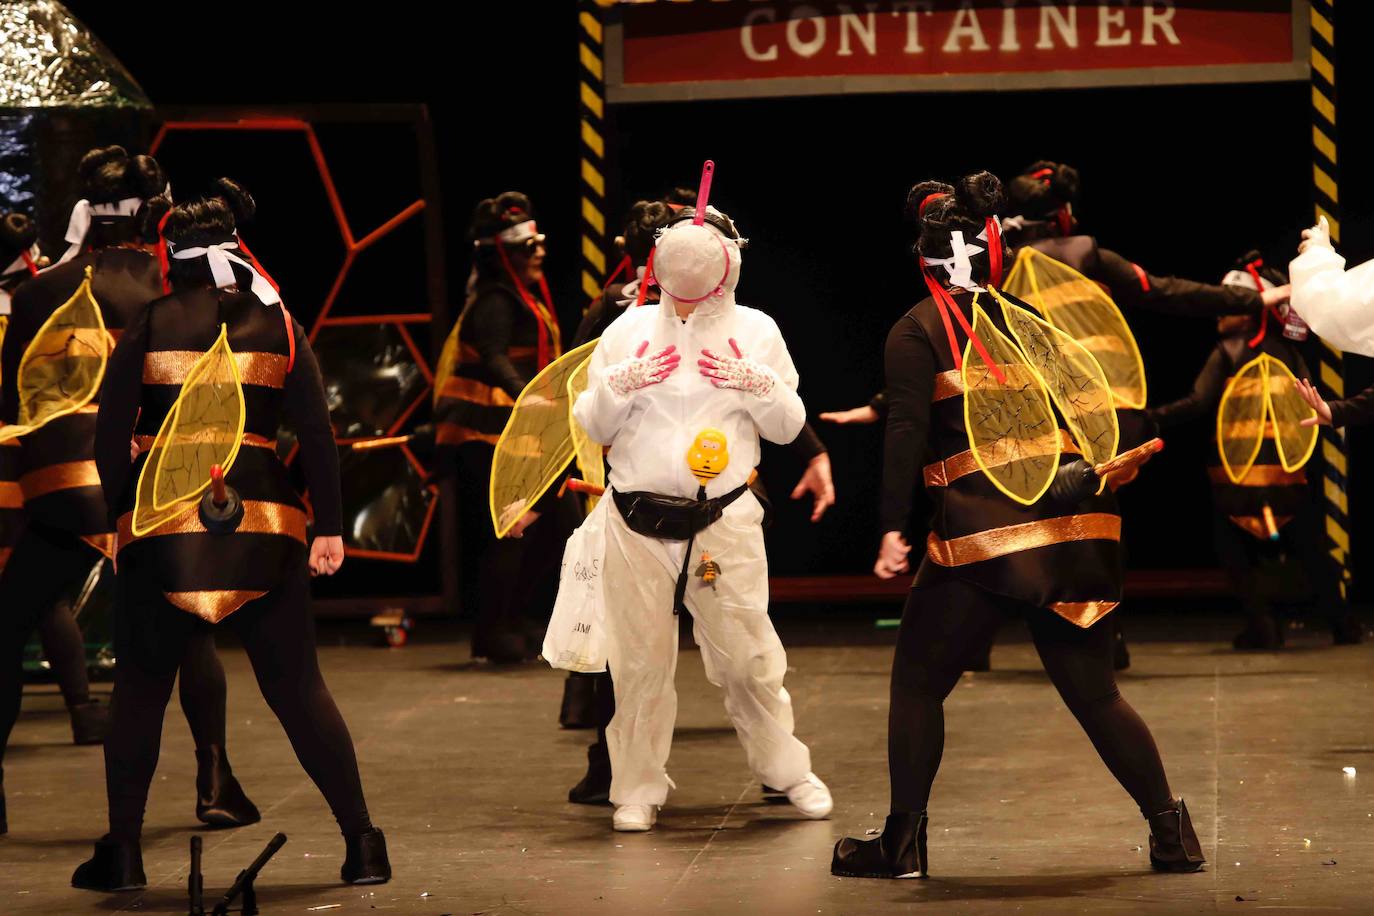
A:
<point x="1180" y="179"/>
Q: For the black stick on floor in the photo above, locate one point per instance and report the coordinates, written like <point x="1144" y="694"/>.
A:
<point x="242" y="886"/>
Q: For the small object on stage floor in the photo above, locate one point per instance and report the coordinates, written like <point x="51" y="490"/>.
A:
<point x="887" y="623"/>
<point x="396" y="625"/>
<point x="242" y="886"/>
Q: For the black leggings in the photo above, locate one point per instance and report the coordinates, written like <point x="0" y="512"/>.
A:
<point x="1304" y="538"/>
<point x="278" y="632"/>
<point x="509" y="579"/>
<point x="45" y="569"/>
<point x="945" y="619"/>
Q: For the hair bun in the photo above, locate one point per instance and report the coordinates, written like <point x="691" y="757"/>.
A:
<point x="94" y="161"/>
<point x="494" y="214"/>
<point x="145" y="177"/>
<point x="150" y="216"/>
<point x="17" y="233"/>
<point x="980" y="194"/>
<point x="918" y="194"/>
<point x="240" y="202"/>
<point x="1064" y="183"/>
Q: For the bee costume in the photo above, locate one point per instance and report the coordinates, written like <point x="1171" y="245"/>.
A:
<point x="200" y="380"/>
<point x="65" y="321"/>
<point x="1257" y="467"/>
<point x="1017" y="425"/>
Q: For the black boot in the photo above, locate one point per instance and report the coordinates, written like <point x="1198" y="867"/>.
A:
<point x="90" y="722"/>
<point x="116" y="866"/>
<point x="365" y="860"/>
<point x="1174" y="844"/>
<point x="1346" y="629"/>
<point x="595" y="787"/>
<point x="500" y="647"/>
<point x="1121" y="656"/>
<point x="220" y="800"/>
<point x="1262" y="633"/>
<point x="982" y="661"/>
<point x="899" y="852"/>
<point x="579" y="701"/>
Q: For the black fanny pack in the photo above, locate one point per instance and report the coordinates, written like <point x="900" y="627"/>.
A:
<point x="672" y="518"/>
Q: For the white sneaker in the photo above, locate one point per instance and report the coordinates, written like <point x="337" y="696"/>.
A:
<point x="636" y="818"/>
<point x="811" y="797"/>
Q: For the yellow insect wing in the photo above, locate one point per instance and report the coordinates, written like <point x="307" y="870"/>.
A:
<point x="537" y="443"/>
<point x="1072" y="376"/>
<point x="1083" y="310"/>
<point x="448" y="359"/>
<point x="1242" y="416"/>
<point x="1287" y="409"/>
<point x="590" y="459"/>
<point x="203" y="428"/>
<point x="1012" y="431"/>
<point x="63" y="365"/>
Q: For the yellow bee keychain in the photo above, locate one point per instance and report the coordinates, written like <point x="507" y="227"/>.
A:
<point x="707" y="458"/>
<point x="709" y="570"/>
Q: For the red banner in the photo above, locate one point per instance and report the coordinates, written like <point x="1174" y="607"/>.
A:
<point x="734" y="49"/>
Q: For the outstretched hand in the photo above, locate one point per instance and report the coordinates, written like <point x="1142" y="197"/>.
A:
<point x="1276" y="295"/>
<point x="856" y="415"/>
<point x="1313" y="397"/>
<point x="817" y="481"/>
<point x="1318" y="235"/>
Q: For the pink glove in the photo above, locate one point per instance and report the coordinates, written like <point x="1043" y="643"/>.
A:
<point x="740" y="372"/>
<point x="640" y="371"/>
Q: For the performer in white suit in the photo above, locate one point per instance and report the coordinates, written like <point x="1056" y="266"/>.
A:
<point x="1338" y="304"/>
<point x="683" y="534"/>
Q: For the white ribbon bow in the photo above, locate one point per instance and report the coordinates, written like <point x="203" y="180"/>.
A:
<point x="220" y="257"/>
<point x="83" y="214"/>
<point x="18" y="265"/>
<point x="958" y="267"/>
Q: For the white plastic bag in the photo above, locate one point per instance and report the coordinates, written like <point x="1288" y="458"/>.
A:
<point x="576" y="637"/>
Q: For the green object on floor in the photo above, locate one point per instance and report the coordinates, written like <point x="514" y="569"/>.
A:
<point x="887" y="623"/>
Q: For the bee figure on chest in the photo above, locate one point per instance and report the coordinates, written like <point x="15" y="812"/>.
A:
<point x="708" y="456"/>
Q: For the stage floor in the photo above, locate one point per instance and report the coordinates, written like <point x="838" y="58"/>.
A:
<point x="467" y="770"/>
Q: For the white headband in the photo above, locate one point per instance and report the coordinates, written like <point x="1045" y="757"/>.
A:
<point x="519" y="232"/>
<point x="220" y="257"/>
<point x="958" y="267"/>
<point x="19" y="263"/>
<point x="83" y="214"/>
<point x="15" y="266"/>
<point x="1243" y="278"/>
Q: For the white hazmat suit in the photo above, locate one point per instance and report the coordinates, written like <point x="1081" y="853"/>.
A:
<point x="650" y="431"/>
<point x="1337" y="304"/>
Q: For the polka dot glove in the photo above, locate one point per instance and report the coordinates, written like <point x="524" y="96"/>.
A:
<point x="640" y="371"/>
<point x="739" y="372"/>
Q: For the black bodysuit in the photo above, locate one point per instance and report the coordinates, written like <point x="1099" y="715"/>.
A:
<point x="67" y="523"/>
<point x="263" y="563"/>
<point x="956" y="602"/>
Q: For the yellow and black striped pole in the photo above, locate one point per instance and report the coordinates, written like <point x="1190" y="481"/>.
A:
<point x="1326" y="202"/>
<point x="592" y="88"/>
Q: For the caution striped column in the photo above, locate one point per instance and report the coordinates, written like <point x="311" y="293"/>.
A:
<point x="592" y="88"/>
<point x="1326" y="202"/>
